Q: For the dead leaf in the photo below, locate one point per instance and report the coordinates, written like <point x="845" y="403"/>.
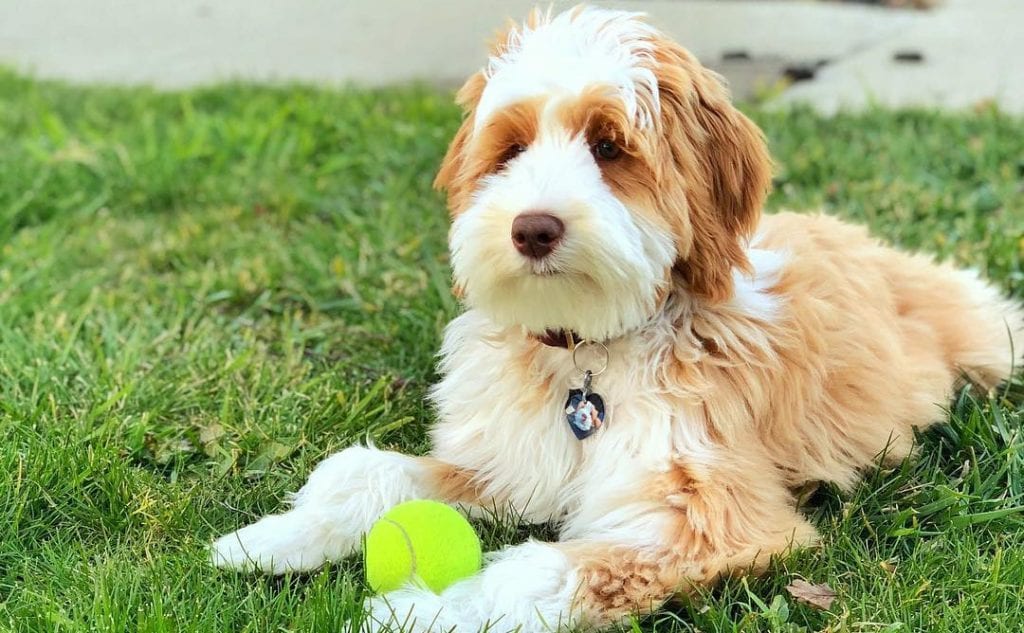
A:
<point x="211" y="433"/>
<point x="209" y="438"/>
<point x="818" y="596"/>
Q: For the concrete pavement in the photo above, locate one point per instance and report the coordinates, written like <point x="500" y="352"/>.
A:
<point x="970" y="51"/>
<point x="176" y="43"/>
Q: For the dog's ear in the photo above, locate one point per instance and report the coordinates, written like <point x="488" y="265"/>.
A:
<point x="723" y="161"/>
<point x="451" y="177"/>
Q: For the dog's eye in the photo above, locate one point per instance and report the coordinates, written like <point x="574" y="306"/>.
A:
<point x="606" y="149"/>
<point x="510" y="152"/>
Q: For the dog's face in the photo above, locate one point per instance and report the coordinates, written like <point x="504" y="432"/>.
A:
<point x="596" y="158"/>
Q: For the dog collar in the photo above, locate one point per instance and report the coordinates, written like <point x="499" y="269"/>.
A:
<point x="584" y="409"/>
<point x="565" y="339"/>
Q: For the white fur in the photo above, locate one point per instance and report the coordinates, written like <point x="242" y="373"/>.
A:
<point x="506" y="423"/>
<point x="525" y="456"/>
<point x="571" y="51"/>
<point x="582" y="484"/>
<point x="529" y="586"/>
<point x="603" y="277"/>
<point x="750" y="295"/>
<point x="501" y="397"/>
<point x="341" y="500"/>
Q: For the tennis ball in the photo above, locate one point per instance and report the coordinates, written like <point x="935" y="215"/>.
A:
<point x="420" y="539"/>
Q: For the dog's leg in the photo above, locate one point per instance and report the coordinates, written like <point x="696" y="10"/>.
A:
<point x="545" y="587"/>
<point x="674" y="535"/>
<point x="343" y="497"/>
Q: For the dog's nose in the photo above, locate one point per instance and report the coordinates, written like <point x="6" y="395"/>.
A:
<point x="535" y="234"/>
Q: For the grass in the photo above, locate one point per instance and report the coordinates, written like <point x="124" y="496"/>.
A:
<point x="204" y="293"/>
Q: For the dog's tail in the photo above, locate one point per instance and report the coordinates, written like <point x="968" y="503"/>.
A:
<point x="984" y="332"/>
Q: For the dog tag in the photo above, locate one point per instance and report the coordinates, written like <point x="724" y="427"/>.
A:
<point x="584" y="412"/>
<point x="584" y="409"/>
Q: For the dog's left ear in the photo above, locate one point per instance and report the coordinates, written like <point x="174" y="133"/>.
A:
<point x="724" y="166"/>
<point x="451" y="176"/>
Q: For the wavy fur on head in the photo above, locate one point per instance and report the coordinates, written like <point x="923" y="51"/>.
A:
<point x="747" y="355"/>
<point x="693" y="164"/>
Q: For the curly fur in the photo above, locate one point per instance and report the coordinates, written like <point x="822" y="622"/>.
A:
<point x="748" y="354"/>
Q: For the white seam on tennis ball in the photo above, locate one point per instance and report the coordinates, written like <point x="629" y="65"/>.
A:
<point x="408" y="543"/>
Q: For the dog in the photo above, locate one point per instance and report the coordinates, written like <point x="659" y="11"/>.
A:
<point x="645" y="359"/>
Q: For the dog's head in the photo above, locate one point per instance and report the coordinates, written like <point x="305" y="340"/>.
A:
<point x="596" y="158"/>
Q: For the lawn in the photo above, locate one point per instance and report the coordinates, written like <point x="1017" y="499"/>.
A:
<point x="204" y="293"/>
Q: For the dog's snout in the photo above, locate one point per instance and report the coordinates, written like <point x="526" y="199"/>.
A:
<point x="536" y="233"/>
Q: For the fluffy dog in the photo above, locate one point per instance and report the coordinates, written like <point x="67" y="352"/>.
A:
<point x="606" y="201"/>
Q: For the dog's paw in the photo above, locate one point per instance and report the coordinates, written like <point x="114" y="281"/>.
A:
<point x="343" y="497"/>
<point x="409" y="610"/>
<point x="528" y="588"/>
<point x="280" y="543"/>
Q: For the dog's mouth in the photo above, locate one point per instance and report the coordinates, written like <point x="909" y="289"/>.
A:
<point x="544" y="268"/>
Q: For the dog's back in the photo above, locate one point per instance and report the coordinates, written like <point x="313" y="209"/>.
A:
<point x="881" y="338"/>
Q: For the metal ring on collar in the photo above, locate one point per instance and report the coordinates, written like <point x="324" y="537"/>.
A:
<point x="585" y="343"/>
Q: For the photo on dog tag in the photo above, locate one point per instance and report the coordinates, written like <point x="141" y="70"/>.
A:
<point x="585" y="414"/>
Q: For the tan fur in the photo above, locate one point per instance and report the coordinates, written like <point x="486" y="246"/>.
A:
<point x="704" y="168"/>
<point x="871" y="344"/>
<point x="867" y="345"/>
<point x="452" y="484"/>
<point x="467" y="162"/>
<point x="747" y="356"/>
<point x="719" y="159"/>
<point x="451" y="176"/>
<point x="616" y="582"/>
<point x="727" y="520"/>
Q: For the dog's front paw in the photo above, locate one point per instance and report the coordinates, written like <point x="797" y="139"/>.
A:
<point x="293" y="541"/>
<point x="527" y="588"/>
<point x="343" y="497"/>
<point x="410" y="610"/>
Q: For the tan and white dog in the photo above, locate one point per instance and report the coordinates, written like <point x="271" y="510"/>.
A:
<point x="603" y="189"/>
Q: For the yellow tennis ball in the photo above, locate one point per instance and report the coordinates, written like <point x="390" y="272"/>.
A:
<point x="420" y="539"/>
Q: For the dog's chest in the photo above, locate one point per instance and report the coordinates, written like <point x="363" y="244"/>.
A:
<point x="503" y="415"/>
